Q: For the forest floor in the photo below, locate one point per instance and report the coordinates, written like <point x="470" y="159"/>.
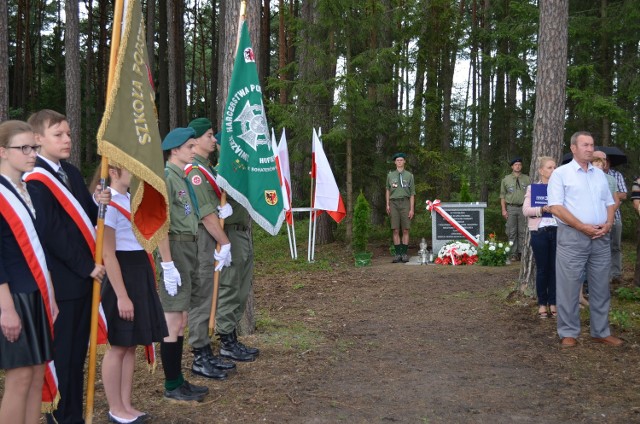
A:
<point x="406" y="343"/>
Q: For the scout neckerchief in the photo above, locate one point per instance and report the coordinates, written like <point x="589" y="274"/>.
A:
<point x="149" y="350"/>
<point x="207" y="174"/>
<point x="21" y="224"/>
<point x="75" y="211"/>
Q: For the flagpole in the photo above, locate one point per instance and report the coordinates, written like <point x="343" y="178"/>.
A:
<point x="104" y="169"/>
<point x="216" y="278"/>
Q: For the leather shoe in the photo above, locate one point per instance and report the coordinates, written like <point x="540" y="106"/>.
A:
<point x="609" y="340"/>
<point x="568" y="342"/>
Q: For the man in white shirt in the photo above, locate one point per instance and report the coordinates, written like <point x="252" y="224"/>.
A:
<point x="579" y="196"/>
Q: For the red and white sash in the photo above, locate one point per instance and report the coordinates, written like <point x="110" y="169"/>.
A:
<point x="149" y="350"/>
<point x="68" y="202"/>
<point x="207" y="174"/>
<point x="75" y="211"/>
<point x="21" y="224"/>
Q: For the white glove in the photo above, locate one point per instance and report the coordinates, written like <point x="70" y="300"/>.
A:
<point x="223" y="256"/>
<point x="171" y="278"/>
<point x="225" y="211"/>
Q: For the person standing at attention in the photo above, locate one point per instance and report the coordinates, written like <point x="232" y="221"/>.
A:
<point x="543" y="242"/>
<point x="512" y="191"/>
<point x="60" y="194"/>
<point x="27" y="304"/>
<point x="201" y="176"/>
<point x="579" y="198"/>
<point x="400" y="196"/>
<point x="179" y="253"/>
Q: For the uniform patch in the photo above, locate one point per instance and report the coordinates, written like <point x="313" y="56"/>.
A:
<point x="271" y="197"/>
<point x="196" y="180"/>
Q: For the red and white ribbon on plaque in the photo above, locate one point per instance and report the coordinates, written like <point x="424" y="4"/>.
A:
<point x="435" y="206"/>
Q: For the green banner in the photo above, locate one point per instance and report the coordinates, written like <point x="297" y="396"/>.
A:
<point x="247" y="167"/>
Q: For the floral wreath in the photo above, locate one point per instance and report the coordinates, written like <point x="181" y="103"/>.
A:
<point x="457" y="253"/>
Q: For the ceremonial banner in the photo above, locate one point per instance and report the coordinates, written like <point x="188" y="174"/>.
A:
<point x="247" y="168"/>
<point x="129" y="135"/>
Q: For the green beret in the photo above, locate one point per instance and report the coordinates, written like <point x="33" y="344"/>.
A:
<point x="218" y="137"/>
<point x="201" y="125"/>
<point x="177" y="137"/>
<point x="399" y="155"/>
<point x="514" y="160"/>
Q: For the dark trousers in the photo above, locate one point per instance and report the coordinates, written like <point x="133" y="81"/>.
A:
<point x="543" y="244"/>
<point x="70" y="344"/>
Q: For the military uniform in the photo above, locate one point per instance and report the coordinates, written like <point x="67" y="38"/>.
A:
<point x="183" y="232"/>
<point x="235" y="285"/>
<point x="201" y="294"/>
<point x="401" y="187"/>
<point x="513" y="189"/>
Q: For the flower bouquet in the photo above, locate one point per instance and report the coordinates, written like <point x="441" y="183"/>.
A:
<point x="457" y="253"/>
<point x="493" y="252"/>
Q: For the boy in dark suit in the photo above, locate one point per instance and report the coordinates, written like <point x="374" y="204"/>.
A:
<point x="60" y="193"/>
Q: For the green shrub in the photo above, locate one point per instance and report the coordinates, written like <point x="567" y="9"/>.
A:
<point x="361" y="224"/>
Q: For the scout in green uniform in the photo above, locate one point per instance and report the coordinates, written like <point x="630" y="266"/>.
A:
<point x="235" y="285"/>
<point x="512" y="191"/>
<point x="179" y="254"/>
<point x="201" y="177"/>
<point x="400" y="195"/>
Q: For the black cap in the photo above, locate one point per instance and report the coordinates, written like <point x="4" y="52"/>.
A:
<point x="398" y="155"/>
<point x="514" y="160"/>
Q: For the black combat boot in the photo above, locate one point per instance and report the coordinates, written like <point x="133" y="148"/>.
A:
<point x="218" y="362"/>
<point x="229" y="348"/>
<point x="250" y="350"/>
<point x="202" y="366"/>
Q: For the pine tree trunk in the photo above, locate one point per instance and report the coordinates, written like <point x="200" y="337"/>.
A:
<point x="548" y="125"/>
<point x="4" y="58"/>
<point x="72" y="78"/>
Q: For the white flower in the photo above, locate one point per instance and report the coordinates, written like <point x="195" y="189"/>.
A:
<point x="500" y="245"/>
<point x="486" y="242"/>
<point x="492" y="248"/>
<point x="510" y="243"/>
<point x="507" y="250"/>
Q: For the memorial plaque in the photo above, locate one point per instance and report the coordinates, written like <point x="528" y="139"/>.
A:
<point x="470" y="216"/>
<point x="468" y="219"/>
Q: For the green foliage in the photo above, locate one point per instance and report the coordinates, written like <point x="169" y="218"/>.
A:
<point x="465" y="196"/>
<point x="361" y="224"/>
<point x="620" y="318"/>
<point x="493" y="252"/>
<point x="628" y="294"/>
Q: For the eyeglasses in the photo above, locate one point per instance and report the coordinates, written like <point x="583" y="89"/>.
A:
<point x="27" y="149"/>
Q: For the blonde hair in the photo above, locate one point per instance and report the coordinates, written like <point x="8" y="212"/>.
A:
<point x="9" y="129"/>
<point x="542" y="160"/>
<point x="601" y="161"/>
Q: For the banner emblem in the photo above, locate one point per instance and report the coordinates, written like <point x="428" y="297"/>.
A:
<point x="271" y="197"/>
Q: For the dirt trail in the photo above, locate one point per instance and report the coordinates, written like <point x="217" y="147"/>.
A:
<point x="410" y="344"/>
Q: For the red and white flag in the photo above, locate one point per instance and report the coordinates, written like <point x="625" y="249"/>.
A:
<point x="327" y="195"/>
<point x="284" y="173"/>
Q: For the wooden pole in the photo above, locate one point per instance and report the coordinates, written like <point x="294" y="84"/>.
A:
<point x="216" y="279"/>
<point x="104" y="169"/>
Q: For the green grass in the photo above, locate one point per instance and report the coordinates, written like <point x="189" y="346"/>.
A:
<point x="293" y="335"/>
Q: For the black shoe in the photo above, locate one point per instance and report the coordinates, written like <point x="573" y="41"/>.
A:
<point x="404" y="258"/>
<point x="229" y="348"/>
<point x="397" y="259"/>
<point x="250" y="350"/>
<point x="199" y="390"/>
<point x="203" y="367"/>
<point x="182" y="393"/>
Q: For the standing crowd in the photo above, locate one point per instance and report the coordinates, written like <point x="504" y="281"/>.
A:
<point x="47" y="266"/>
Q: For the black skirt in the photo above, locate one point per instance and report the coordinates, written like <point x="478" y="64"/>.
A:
<point x="148" y="323"/>
<point x="34" y="345"/>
